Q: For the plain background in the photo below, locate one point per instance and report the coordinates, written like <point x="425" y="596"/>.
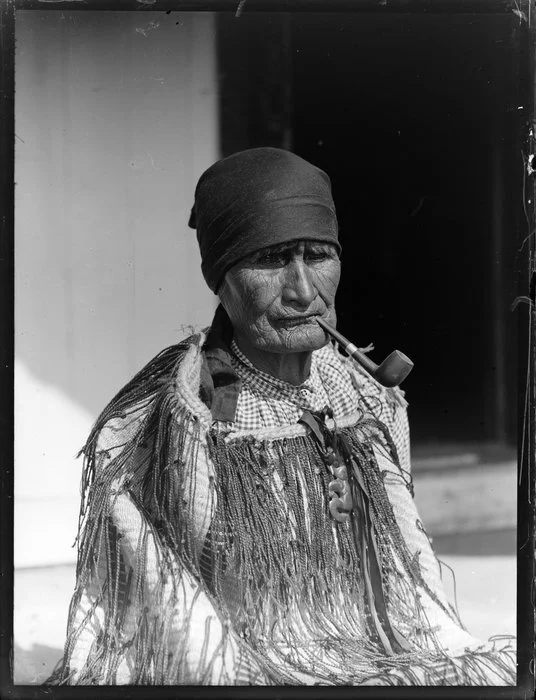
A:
<point x="115" y="119"/>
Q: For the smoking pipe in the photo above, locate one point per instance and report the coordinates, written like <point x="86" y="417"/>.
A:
<point x="392" y="371"/>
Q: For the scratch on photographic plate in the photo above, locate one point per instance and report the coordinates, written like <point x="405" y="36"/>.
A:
<point x="144" y="31"/>
<point x="519" y="13"/>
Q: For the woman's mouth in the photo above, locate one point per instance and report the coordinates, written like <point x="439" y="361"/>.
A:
<point x="294" y="321"/>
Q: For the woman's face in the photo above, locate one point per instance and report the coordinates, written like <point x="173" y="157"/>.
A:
<point x="273" y="296"/>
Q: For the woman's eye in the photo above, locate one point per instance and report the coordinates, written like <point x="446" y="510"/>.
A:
<point x="272" y="259"/>
<point x="319" y="255"/>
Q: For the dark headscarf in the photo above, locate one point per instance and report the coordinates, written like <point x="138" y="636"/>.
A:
<point x="255" y="199"/>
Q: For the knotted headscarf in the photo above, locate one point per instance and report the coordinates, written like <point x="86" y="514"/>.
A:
<point x="255" y="199"/>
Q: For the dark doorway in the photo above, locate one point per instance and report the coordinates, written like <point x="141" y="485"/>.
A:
<point x="416" y="120"/>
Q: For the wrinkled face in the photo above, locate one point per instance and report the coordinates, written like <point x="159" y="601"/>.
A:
<point x="273" y="296"/>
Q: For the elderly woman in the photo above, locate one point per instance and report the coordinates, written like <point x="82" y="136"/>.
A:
<point x="248" y="514"/>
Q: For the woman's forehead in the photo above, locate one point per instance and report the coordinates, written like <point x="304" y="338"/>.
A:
<point x="304" y="243"/>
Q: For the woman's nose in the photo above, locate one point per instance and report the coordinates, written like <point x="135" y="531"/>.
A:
<point x="298" y="288"/>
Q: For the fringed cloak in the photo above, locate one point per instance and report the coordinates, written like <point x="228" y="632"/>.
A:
<point x="214" y="557"/>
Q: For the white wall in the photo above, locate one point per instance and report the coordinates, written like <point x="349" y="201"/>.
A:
<point x="116" y="118"/>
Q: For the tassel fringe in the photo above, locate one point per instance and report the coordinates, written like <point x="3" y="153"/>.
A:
<point x="286" y="582"/>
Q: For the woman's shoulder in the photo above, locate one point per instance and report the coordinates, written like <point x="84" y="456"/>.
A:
<point x="139" y="397"/>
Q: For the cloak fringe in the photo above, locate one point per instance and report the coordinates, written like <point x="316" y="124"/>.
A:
<point x="287" y="582"/>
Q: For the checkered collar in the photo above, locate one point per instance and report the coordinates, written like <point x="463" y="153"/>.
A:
<point x="272" y="387"/>
<point x="225" y="367"/>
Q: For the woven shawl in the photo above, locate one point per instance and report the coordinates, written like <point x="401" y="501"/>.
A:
<point x="212" y="558"/>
